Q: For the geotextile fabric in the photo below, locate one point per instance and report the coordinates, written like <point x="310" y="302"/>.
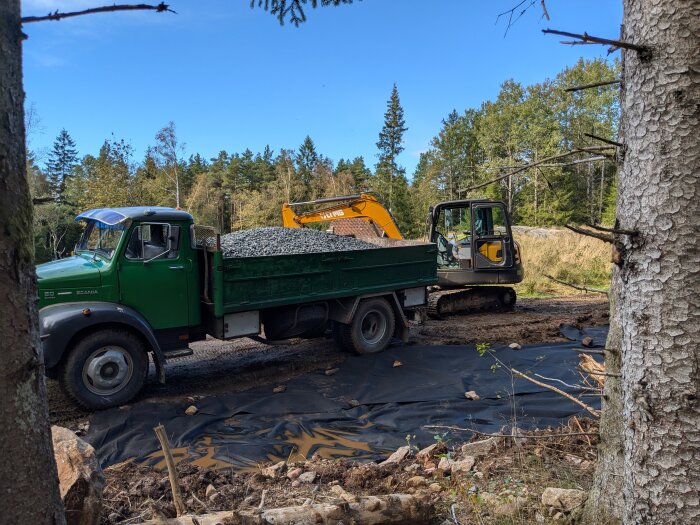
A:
<point x="364" y="411"/>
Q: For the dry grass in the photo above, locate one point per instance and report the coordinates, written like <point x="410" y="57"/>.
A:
<point x="567" y="256"/>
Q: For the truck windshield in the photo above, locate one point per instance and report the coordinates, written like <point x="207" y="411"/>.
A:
<point x="101" y="239"/>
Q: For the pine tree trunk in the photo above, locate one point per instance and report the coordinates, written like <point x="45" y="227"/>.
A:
<point x="657" y="285"/>
<point x="29" y="483"/>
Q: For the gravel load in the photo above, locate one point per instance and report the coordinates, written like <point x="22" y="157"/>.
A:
<point x="275" y="240"/>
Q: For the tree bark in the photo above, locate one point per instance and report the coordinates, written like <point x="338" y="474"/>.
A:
<point x="29" y="483"/>
<point x="657" y="287"/>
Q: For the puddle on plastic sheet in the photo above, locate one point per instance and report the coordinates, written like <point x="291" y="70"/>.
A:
<point x="295" y="444"/>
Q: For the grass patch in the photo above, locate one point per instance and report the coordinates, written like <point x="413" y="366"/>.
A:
<point x="562" y="254"/>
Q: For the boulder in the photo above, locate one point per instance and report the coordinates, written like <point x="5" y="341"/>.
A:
<point x="307" y="477"/>
<point x="564" y="500"/>
<point x="80" y="477"/>
<point x="191" y="410"/>
<point x="274" y="471"/>
<point x="397" y="456"/>
<point x="502" y="505"/>
<point x="514" y="346"/>
<point x="463" y="465"/>
<point x="472" y="395"/>
<point x="481" y="448"/>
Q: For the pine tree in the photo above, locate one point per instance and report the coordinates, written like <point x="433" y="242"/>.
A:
<point x="390" y="145"/>
<point x="307" y="158"/>
<point x="63" y="158"/>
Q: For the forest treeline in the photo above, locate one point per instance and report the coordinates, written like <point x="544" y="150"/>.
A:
<point x="238" y="190"/>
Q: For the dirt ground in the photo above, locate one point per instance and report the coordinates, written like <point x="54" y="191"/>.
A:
<point x="219" y="367"/>
<point x="502" y="487"/>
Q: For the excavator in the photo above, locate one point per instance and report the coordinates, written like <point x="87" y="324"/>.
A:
<point x="475" y="246"/>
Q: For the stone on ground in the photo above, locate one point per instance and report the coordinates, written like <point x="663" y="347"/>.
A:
<point x="80" y="477"/>
<point x="564" y="500"/>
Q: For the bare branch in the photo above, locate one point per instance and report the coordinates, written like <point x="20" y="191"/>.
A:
<point x="618" y="231"/>
<point x="511" y="12"/>
<point x="588" y="408"/>
<point x="56" y="15"/>
<point x="593" y="149"/>
<point x="42" y="200"/>
<point x="529" y="436"/>
<point x="602" y="237"/>
<point x="545" y="14"/>
<point x="594" y="85"/>
<point x="576" y="286"/>
<point x="585" y="37"/>
<point x="603" y="139"/>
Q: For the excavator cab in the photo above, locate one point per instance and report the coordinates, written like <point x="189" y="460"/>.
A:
<point x="475" y="243"/>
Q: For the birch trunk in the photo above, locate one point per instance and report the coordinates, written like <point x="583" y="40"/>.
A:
<point x="29" y="483"/>
<point x="657" y="288"/>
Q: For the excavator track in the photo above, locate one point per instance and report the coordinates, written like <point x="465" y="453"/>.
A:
<point x="442" y="303"/>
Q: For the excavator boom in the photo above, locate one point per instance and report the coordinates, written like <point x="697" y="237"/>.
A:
<point x="361" y="206"/>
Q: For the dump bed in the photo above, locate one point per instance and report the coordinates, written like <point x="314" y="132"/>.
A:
<point x="254" y="283"/>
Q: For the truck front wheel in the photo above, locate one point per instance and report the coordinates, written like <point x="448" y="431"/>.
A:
<point x="104" y="369"/>
<point x="371" y="328"/>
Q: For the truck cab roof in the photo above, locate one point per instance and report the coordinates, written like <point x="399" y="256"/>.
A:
<point x="115" y="216"/>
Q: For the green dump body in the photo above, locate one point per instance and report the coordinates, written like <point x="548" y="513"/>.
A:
<point x="252" y="283"/>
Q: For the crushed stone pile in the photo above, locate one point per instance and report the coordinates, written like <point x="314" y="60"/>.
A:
<point x="275" y="240"/>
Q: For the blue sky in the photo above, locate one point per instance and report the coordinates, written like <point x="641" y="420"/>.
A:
<point x="231" y="78"/>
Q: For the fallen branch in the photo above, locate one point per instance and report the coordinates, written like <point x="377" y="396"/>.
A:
<point x="180" y="507"/>
<point x="602" y="139"/>
<point x="585" y="37"/>
<point x="618" y="231"/>
<point x="576" y="286"/>
<point x="600" y="236"/>
<point x="56" y="15"/>
<point x="584" y="351"/>
<point x="593" y="149"/>
<point x="486" y="434"/>
<point x="593" y="85"/>
<point x="586" y="407"/>
<point x="578" y="425"/>
<point x="606" y="374"/>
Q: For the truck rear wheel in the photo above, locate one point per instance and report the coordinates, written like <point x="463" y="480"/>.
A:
<point x="104" y="369"/>
<point x="371" y="327"/>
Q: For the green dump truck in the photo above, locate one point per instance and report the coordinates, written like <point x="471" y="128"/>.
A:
<point x="146" y="280"/>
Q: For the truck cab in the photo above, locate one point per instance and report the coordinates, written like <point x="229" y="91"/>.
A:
<point x="132" y="284"/>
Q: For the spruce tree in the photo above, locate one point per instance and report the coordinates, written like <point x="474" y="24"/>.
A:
<point x="63" y="159"/>
<point x="307" y="158"/>
<point x="390" y="145"/>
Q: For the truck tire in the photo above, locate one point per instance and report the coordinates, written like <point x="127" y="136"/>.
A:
<point x="371" y="327"/>
<point x="104" y="369"/>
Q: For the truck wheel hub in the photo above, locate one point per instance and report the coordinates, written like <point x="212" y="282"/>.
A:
<point x="373" y="327"/>
<point x="107" y="370"/>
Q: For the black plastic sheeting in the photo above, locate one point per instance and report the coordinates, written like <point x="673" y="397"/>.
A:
<point x="320" y="414"/>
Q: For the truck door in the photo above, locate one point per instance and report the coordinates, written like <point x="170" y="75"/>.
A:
<point x="492" y="245"/>
<point x="153" y="275"/>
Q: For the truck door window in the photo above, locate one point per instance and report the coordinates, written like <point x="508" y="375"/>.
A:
<point x="153" y="241"/>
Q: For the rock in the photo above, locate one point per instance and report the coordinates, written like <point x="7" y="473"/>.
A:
<point x="502" y="505"/>
<point x="274" y="471"/>
<point x="416" y="481"/>
<point x="514" y="346"/>
<point x="296" y="483"/>
<point x="191" y="410"/>
<point x="397" y="364"/>
<point x="424" y="454"/>
<point x="397" y="456"/>
<point x="463" y="465"/>
<point x="445" y="465"/>
<point x="412" y="467"/>
<point x="279" y="389"/>
<point x="307" y="477"/>
<point x="435" y="487"/>
<point x="210" y="490"/>
<point x="472" y="395"/>
<point x="481" y="448"/>
<point x="587" y="341"/>
<point x="80" y="477"/>
<point x="294" y="473"/>
<point x="539" y="518"/>
<point x="332" y="371"/>
<point x="563" y="499"/>
<point x="354" y="403"/>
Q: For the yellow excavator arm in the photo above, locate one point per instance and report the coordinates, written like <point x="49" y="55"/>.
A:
<point x="362" y="206"/>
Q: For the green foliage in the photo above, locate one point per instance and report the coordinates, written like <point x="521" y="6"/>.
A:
<point x="238" y="190"/>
